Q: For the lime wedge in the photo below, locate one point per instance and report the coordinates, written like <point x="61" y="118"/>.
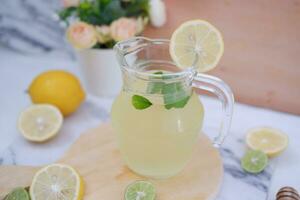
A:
<point x="254" y="161"/>
<point x="140" y="190"/>
<point x="18" y="194"/>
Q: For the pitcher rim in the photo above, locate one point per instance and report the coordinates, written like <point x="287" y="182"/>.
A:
<point x="124" y="65"/>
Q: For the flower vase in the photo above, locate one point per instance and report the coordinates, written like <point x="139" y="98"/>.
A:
<point x="100" y="71"/>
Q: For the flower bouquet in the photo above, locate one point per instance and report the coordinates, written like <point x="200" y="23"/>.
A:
<point x="94" y="26"/>
<point x="102" y="23"/>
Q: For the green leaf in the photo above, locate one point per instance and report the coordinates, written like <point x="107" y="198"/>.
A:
<point x="66" y="13"/>
<point x="108" y="45"/>
<point x="175" y="95"/>
<point x="100" y="12"/>
<point x="155" y="87"/>
<point x="137" y="8"/>
<point x="179" y="104"/>
<point x="140" y="102"/>
<point x="112" y="11"/>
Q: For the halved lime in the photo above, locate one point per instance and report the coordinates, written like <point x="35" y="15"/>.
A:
<point x="254" y="161"/>
<point x="18" y="194"/>
<point x="140" y="190"/>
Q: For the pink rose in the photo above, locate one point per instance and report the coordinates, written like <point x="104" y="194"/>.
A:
<point x="82" y="35"/>
<point x="70" y="3"/>
<point x="123" y="29"/>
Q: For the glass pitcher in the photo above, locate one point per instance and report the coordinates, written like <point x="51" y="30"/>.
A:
<point x="158" y="116"/>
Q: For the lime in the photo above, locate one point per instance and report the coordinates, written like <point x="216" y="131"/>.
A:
<point x="18" y="194"/>
<point x="140" y="190"/>
<point x="254" y="161"/>
<point x="269" y="140"/>
<point x="197" y="44"/>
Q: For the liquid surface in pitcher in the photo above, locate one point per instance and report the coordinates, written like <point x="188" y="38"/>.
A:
<point x="157" y="141"/>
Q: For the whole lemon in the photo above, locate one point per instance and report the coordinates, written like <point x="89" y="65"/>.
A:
<point x="59" y="88"/>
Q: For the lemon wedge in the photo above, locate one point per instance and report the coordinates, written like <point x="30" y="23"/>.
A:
<point x="268" y="140"/>
<point x="197" y="44"/>
<point x="56" y="182"/>
<point x="40" y="122"/>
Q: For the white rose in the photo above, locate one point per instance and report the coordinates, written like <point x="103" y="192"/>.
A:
<point x="157" y="13"/>
<point x="103" y="34"/>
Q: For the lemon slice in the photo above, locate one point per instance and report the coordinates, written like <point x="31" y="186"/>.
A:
<point x="40" y="122"/>
<point x="268" y="140"/>
<point x="197" y="44"/>
<point x="56" y="182"/>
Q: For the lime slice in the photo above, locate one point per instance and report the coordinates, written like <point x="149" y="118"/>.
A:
<point x="57" y="182"/>
<point x="140" y="190"/>
<point x="40" y="122"/>
<point x="18" y="194"/>
<point x="254" y="161"/>
<point x="268" y="140"/>
<point x="197" y="44"/>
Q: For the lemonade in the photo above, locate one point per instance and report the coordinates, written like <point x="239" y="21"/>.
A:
<point x="157" y="116"/>
<point x="156" y="141"/>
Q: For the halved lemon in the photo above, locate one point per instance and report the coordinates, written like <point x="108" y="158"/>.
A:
<point x="268" y="140"/>
<point x="56" y="182"/>
<point x="197" y="44"/>
<point x="40" y="122"/>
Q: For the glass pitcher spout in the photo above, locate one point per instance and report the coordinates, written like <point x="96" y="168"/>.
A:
<point x="141" y="54"/>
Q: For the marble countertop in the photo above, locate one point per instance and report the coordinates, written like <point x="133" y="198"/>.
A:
<point x="25" y="52"/>
<point x="18" y="70"/>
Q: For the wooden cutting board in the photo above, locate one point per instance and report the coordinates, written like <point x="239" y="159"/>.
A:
<point x="261" y="37"/>
<point x="96" y="156"/>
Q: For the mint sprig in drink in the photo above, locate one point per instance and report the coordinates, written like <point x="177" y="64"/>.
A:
<point x="157" y="130"/>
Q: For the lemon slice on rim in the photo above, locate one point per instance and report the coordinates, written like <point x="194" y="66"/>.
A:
<point x="40" y="122"/>
<point x="56" y="182"/>
<point x="268" y="140"/>
<point x="197" y="44"/>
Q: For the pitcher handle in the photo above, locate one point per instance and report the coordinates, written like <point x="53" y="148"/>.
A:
<point x="223" y="92"/>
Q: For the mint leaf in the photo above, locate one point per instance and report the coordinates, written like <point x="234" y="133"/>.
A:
<point x="179" y="104"/>
<point x="174" y="95"/>
<point x="155" y="87"/>
<point x="140" y="102"/>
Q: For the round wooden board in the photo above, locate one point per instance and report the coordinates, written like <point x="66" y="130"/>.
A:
<point x="96" y="156"/>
